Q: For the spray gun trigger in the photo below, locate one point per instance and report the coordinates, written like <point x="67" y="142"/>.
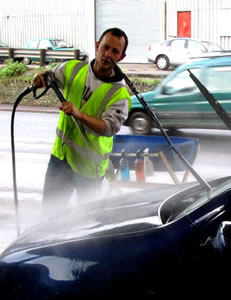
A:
<point x="34" y="89"/>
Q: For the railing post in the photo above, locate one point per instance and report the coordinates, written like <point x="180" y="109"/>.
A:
<point x="42" y="57"/>
<point x="11" y="53"/>
<point x="76" y="54"/>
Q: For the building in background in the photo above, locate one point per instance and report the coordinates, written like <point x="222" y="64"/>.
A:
<point x="205" y="20"/>
<point x="71" y="20"/>
<point x="80" y="22"/>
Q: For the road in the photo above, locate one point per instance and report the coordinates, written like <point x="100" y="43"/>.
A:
<point x="34" y="136"/>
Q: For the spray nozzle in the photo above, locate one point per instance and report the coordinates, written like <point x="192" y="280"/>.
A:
<point x="138" y="153"/>
<point x="123" y="153"/>
<point x="146" y="151"/>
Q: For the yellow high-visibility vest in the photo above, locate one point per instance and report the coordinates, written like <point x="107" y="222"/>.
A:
<point x="89" y="159"/>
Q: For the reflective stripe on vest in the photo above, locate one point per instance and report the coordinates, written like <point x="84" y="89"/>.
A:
<point x="113" y="89"/>
<point x="74" y="73"/>
<point x="83" y="151"/>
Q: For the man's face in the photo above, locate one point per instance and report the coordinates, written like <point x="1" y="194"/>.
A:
<point x="110" y="47"/>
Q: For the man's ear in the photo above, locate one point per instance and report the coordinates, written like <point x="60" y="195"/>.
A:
<point x="96" y="46"/>
<point x="122" y="57"/>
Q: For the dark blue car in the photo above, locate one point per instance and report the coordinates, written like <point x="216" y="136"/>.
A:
<point x="159" y="243"/>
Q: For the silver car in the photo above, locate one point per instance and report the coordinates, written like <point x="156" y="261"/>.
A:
<point x="176" y="51"/>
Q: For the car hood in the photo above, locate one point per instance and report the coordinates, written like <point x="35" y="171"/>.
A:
<point x="117" y="215"/>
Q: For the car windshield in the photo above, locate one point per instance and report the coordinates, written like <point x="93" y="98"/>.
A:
<point x="190" y="199"/>
<point x="212" y="47"/>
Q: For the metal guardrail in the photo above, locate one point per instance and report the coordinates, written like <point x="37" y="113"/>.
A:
<point x="41" y="54"/>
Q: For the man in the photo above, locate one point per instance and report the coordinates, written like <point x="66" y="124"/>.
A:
<point x="96" y="107"/>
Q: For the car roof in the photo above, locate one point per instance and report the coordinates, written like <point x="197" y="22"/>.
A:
<point x="207" y="61"/>
<point x="187" y="38"/>
<point x="53" y="39"/>
<point x="183" y="38"/>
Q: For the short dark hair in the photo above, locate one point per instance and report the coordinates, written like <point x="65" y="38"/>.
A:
<point x="118" y="33"/>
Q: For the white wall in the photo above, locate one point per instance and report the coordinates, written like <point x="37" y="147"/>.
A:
<point x="140" y="19"/>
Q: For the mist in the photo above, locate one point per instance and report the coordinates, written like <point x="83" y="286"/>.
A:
<point x="34" y="137"/>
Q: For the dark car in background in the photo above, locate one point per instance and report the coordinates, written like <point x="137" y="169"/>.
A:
<point x="176" y="51"/>
<point x="49" y="44"/>
<point x="177" y="101"/>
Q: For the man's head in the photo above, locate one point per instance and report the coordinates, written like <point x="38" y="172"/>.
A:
<point x="118" y="33"/>
<point x="112" y="45"/>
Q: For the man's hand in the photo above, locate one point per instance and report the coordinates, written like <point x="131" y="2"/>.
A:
<point x="70" y="109"/>
<point x="39" y="80"/>
<point x="95" y="124"/>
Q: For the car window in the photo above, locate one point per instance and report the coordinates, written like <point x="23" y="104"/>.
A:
<point x="218" y="78"/>
<point x="33" y="44"/>
<point x="181" y="83"/>
<point x="44" y="44"/>
<point x="178" y="44"/>
<point x="166" y="43"/>
<point x="62" y="44"/>
<point x="194" y="45"/>
<point x="178" y="206"/>
<point x="3" y="45"/>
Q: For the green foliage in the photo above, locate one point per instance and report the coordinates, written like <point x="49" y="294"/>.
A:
<point x="150" y="82"/>
<point x="143" y="84"/>
<point x="12" y="69"/>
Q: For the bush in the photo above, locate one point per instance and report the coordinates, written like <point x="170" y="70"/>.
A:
<point x="12" y="69"/>
<point x="144" y="84"/>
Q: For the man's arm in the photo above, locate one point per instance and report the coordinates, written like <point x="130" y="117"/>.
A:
<point x="95" y="124"/>
<point x="110" y="122"/>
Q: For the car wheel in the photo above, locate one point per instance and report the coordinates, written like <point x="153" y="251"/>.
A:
<point x="140" y="123"/>
<point x="162" y="62"/>
<point x="26" y="60"/>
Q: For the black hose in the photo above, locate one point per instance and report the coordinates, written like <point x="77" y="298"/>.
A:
<point x="17" y="101"/>
<point x="51" y="84"/>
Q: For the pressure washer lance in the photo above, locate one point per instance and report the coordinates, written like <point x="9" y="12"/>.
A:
<point x="154" y="118"/>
